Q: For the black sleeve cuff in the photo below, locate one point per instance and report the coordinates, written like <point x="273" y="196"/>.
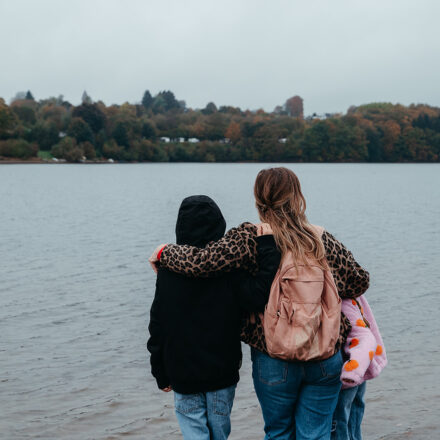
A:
<point x="162" y="382"/>
<point x="266" y="240"/>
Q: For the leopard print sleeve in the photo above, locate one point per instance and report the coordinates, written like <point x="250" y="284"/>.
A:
<point x="350" y="278"/>
<point x="237" y="249"/>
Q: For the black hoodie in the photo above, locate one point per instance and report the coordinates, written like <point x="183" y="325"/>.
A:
<point x="195" y="322"/>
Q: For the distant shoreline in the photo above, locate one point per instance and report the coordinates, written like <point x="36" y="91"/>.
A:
<point x="37" y="161"/>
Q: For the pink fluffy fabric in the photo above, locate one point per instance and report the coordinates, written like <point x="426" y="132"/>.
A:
<point x="364" y="346"/>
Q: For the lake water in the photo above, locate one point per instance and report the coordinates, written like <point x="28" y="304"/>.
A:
<point x="75" y="290"/>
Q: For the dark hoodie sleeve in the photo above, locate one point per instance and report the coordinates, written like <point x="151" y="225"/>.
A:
<point x="236" y="250"/>
<point x="155" y="342"/>
<point x="253" y="291"/>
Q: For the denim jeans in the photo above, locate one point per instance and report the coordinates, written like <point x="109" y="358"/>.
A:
<point x="297" y="398"/>
<point x="205" y="416"/>
<point x="348" y="415"/>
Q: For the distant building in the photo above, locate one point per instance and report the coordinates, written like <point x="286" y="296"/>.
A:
<point x="282" y="140"/>
<point x="193" y="140"/>
<point x="165" y="139"/>
<point x="61" y="134"/>
<point x="181" y="140"/>
<point x="315" y="116"/>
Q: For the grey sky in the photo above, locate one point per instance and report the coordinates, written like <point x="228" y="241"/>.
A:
<point x="247" y="53"/>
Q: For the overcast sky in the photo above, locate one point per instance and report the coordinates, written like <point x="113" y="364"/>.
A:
<point x="247" y="53"/>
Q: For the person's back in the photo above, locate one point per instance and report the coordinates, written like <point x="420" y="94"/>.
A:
<point x="195" y="327"/>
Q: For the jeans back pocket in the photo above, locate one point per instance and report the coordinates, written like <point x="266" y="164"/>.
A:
<point x="332" y="367"/>
<point x="223" y="401"/>
<point x="188" y="403"/>
<point x="270" y="371"/>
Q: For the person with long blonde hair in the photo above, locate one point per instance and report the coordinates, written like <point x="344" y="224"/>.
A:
<point x="297" y="398"/>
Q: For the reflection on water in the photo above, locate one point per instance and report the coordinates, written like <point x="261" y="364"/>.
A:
<point x="75" y="290"/>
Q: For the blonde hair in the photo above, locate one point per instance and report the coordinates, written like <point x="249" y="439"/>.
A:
<point x="280" y="203"/>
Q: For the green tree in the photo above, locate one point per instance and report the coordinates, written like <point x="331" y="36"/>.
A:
<point x="91" y="114"/>
<point x="85" y="98"/>
<point x="25" y="113"/>
<point x="80" y="130"/>
<point x="121" y="134"/>
<point x="164" y="102"/>
<point x="111" y="150"/>
<point x="148" y="130"/>
<point x="18" y="148"/>
<point x="209" y="109"/>
<point x="147" y="100"/>
<point x="8" y="120"/>
<point x="67" y="149"/>
<point x="45" y="134"/>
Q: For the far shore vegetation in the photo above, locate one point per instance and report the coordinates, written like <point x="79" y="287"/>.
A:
<point x="163" y="129"/>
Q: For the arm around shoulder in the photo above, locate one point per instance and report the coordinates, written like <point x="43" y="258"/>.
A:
<point x="237" y="249"/>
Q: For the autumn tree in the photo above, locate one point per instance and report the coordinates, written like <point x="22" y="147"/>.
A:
<point x="233" y="132"/>
<point x="294" y="107"/>
<point x="8" y="120"/>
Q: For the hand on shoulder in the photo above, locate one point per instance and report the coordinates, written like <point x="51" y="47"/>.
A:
<point x="154" y="259"/>
<point x="263" y="229"/>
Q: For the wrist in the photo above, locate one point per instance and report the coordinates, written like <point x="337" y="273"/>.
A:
<point x="159" y="254"/>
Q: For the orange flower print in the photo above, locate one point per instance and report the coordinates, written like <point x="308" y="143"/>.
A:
<point x="379" y="350"/>
<point x="353" y="342"/>
<point x="371" y="353"/>
<point x="351" y="365"/>
<point x="353" y="302"/>
<point x="360" y="323"/>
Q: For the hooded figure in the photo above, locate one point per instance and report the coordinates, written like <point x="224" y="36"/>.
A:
<point x="195" y="323"/>
<point x="199" y="221"/>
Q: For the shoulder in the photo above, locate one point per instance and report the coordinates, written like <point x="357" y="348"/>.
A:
<point x="318" y="229"/>
<point x="166" y="276"/>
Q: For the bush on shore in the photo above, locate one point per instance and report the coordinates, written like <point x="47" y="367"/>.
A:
<point x="18" y="148"/>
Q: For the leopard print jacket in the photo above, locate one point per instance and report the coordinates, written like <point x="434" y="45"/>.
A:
<point x="237" y="249"/>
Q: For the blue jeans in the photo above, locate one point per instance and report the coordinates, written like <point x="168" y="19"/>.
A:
<point x="297" y="398"/>
<point x="205" y="416"/>
<point x="348" y="415"/>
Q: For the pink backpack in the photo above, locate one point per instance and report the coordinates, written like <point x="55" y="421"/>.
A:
<point x="302" y="318"/>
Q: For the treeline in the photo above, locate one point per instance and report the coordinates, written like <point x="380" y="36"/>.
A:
<point x="161" y="129"/>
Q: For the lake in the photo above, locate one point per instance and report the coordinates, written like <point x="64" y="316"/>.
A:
<point x="75" y="290"/>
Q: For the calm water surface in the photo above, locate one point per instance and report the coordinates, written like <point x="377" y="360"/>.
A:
<point x="75" y="290"/>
